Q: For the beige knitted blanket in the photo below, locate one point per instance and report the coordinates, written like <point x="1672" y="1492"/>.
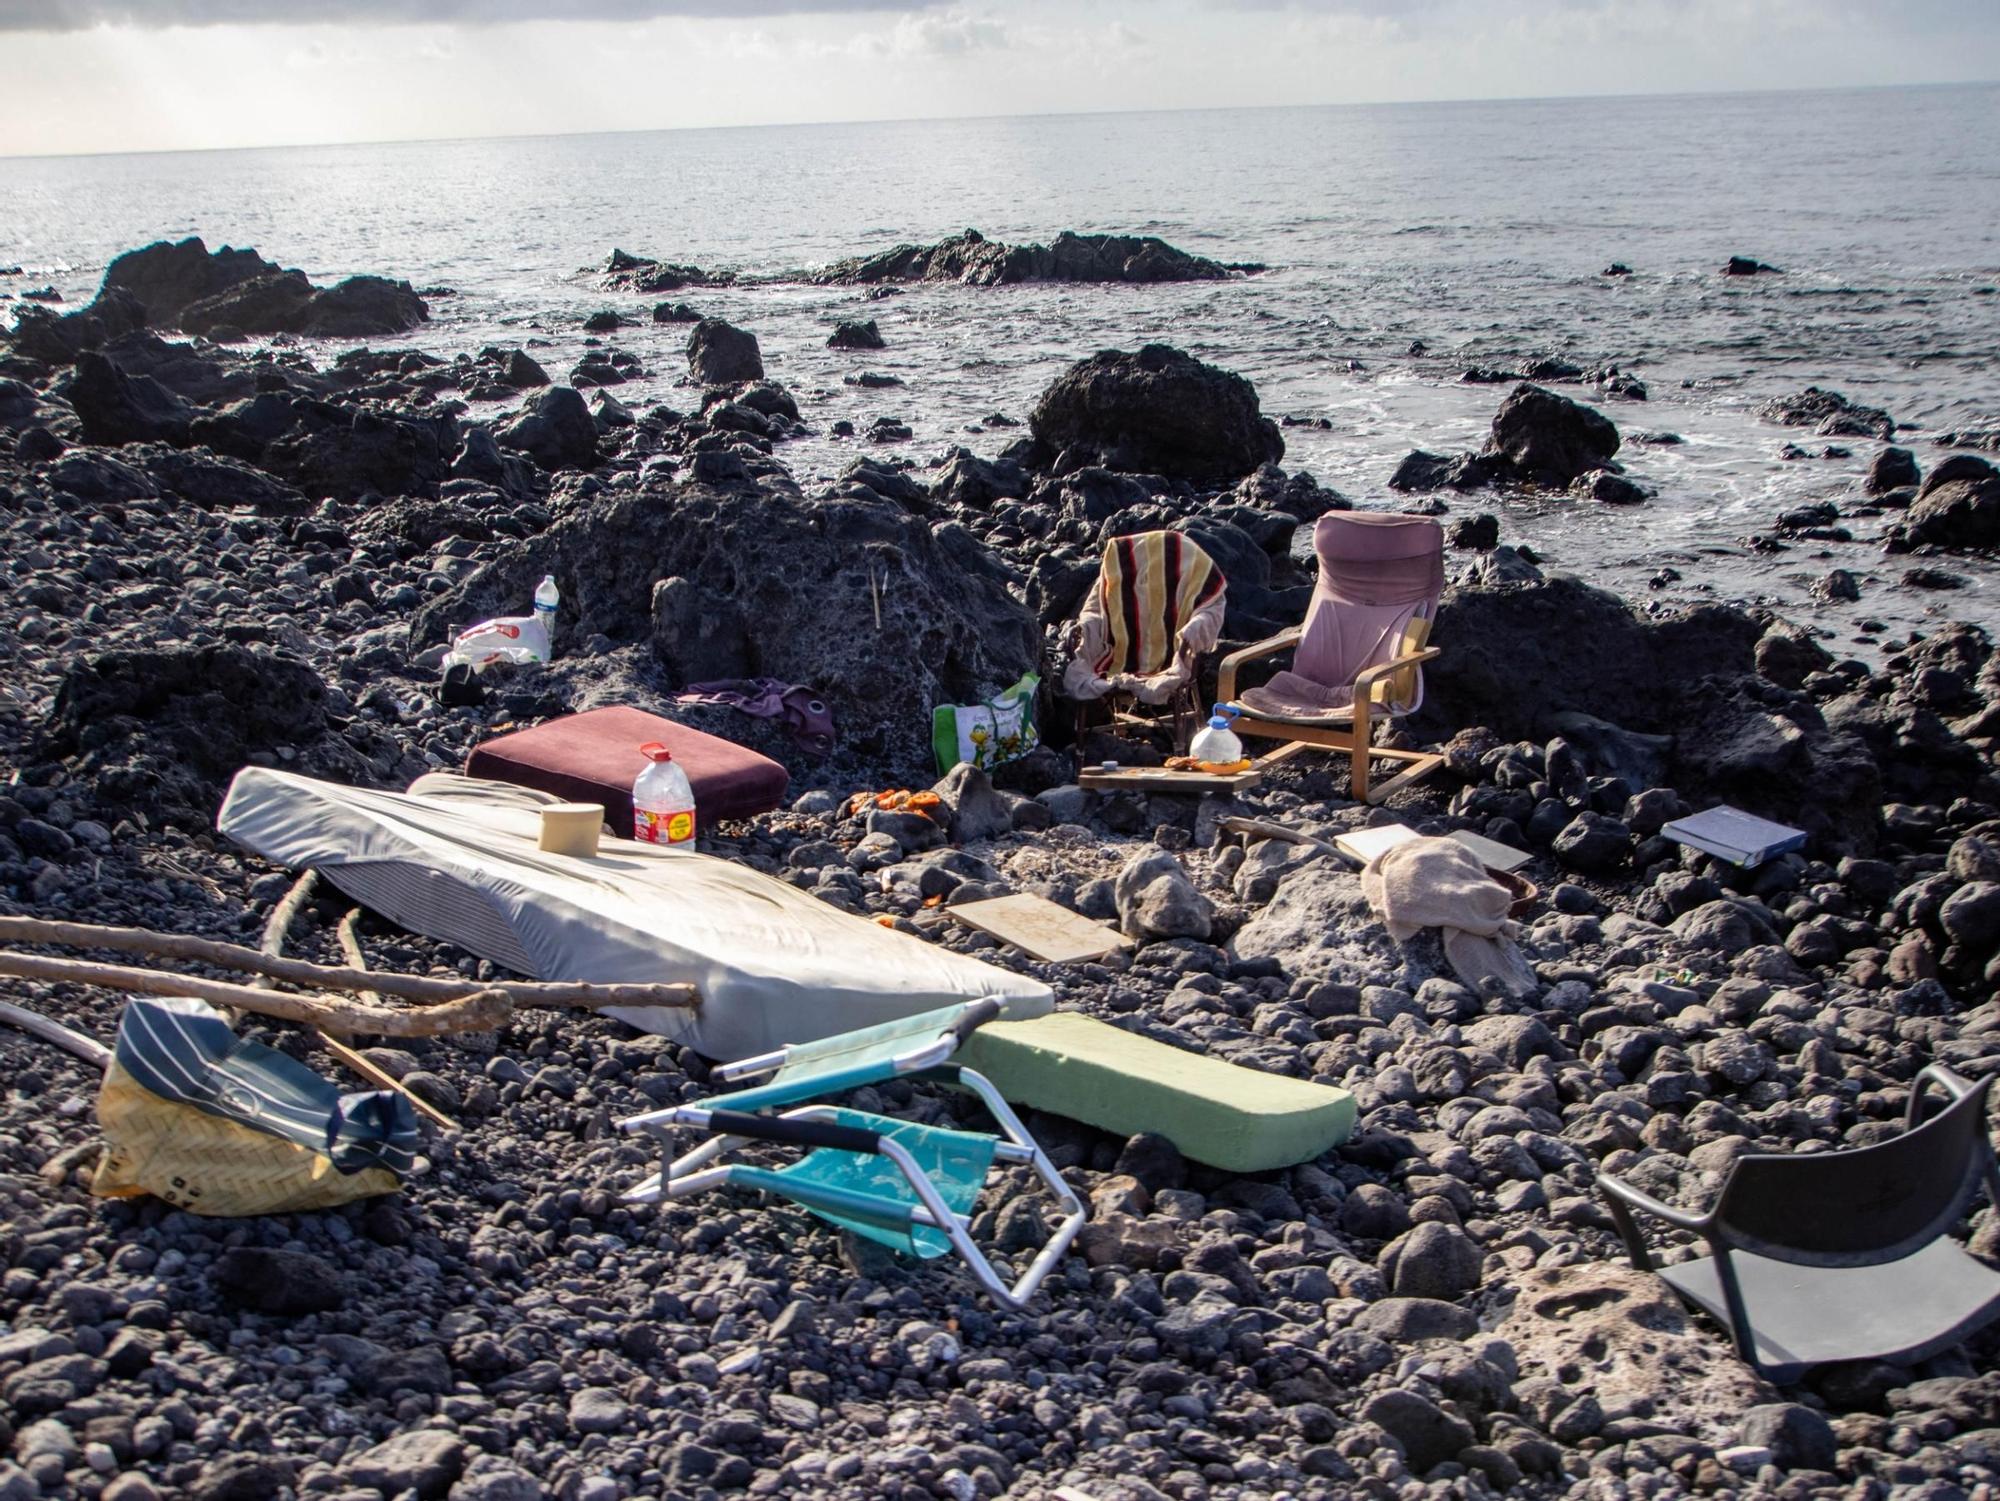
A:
<point x="1439" y="883"/>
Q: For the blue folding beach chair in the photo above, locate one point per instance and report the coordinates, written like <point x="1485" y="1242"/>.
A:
<point x="904" y="1185"/>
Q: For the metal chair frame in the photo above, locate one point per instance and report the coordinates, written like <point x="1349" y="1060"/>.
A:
<point x="816" y="1126"/>
<point x="1623" y="1198"/>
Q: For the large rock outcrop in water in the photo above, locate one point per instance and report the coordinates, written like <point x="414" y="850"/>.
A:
<point x="1958" y="506"/>
<point x="1159" y="411"/>
<point x="642" y="273"/>
<point x="760" y="582"/>
<point x="184" y="285"/>
<point x="1545" y="439"/>
<point x="977" y="261"/>
<point x="1538" y="438"/>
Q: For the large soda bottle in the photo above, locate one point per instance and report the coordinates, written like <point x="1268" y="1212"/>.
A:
<point x="662" y="800"/>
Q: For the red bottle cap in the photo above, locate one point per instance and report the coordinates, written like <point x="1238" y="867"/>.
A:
<point x="652" y="750"/>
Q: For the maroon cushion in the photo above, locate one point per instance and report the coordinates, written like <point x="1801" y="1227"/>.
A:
<point x="594" y="757"/>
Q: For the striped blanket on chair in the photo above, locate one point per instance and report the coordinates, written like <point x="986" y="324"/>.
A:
<point x="1157" y="606"/>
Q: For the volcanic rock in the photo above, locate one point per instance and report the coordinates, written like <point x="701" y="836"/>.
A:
<point x="57" y="339"/>
<point x="277" y="1281"/>
<point x="166" y="277"/>
<point x="978" y="261"/>
<point x="1892" y="469"/>
<point x="118" y="408"/>
<point x="555" y="429"/>
<point x="1546" y="439"/>
<point x="638" y="273"/>
<point x="182" y="285"/>
<point x="755" y="581"/>
<point x="855" y="335"/>
<point x="1158" y="411"/>
<point x="720" y="354"/>
<point x="165" y="730"/>
<point x="1157" y="900"/>
<point x="1829" y="414"/>
<point x="1957" y="506"/>
<point x="1637" y="1341"/>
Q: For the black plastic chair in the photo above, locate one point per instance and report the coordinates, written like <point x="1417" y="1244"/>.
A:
<point x="1842" y="1255"/>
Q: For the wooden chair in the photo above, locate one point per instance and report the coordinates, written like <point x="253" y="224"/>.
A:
<point x="1841" y="1255"/>
<point x="1139" y="640"/>
<point x="1358" y="658"/>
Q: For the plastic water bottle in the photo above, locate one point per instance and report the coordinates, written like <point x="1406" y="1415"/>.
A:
<point x="662" y="800"/>
<point x="547" y="597"/>
<point x="1216" y="742"/>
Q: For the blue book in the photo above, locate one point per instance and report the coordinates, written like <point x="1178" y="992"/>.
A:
<point x="1733" y="835"/>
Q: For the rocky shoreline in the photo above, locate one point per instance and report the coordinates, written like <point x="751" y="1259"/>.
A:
<point x="223" y="557"/>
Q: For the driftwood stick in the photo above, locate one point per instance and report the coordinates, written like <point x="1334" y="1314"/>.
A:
<point x="286" y="913"/>
<point x="1264" y="829"/>
<point x="422" y="988"/>
<point x="89" y="1049"/>
<point x="351" y="950"/>
<point x="342" y="1050"/>
<point x="69" y="1159"/>
<point x="381" y="1078"/>
<point x="481" y="1011"/>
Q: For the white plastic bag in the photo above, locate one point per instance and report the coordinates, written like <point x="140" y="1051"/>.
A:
<point x="510" y="638"/>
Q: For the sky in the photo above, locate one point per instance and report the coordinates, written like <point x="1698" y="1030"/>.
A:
<point x="140" y="75"/>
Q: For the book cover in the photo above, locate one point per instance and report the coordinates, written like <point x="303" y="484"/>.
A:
<point x="1731" y="834"/>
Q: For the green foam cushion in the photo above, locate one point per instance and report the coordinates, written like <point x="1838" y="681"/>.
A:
<point x="1219" y="1113"/>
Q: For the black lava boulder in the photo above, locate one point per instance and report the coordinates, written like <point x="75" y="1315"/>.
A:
<point x="1159" y="411"/>
<point x="1958" y="506"/>
<point x="1546" y="439"/>
<point x="855" y="336"/>
<point x="114" y="407"/>
<point x="721" y="354"/>
<point x="555" y="429"/>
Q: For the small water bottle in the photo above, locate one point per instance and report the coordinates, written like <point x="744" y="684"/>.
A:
<point x="1215" y="742"/>
<point x="662" y="800"/>
<point x="547" y="597"/>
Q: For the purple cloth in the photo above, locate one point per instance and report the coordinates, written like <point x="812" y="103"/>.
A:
<point x="807" y="718"/>
<point x="1376" y="571"/>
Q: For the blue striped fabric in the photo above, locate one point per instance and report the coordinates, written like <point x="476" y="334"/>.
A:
<point x="182" y="1050"/>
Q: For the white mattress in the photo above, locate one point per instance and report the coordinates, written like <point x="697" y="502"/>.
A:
<point x="457" y="859"/>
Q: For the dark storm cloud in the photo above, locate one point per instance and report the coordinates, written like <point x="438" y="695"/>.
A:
<point x="79" y="15"/>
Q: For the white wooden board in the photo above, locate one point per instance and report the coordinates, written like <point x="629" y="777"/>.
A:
<point x="1363" y="845"/>
<point x="1047" y="930"/>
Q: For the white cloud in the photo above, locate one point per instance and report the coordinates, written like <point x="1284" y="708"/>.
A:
<point x="951" y="33"/>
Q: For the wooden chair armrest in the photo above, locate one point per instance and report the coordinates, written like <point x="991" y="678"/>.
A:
<point x="1370" y="676"/>
<point x="1225" y="687"/>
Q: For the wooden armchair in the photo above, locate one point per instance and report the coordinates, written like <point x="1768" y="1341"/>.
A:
<point x="1355" y="736"/>
<point x="1358" y="658"/>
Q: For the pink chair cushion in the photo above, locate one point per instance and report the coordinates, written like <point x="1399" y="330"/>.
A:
<point x="1377" y="571"/>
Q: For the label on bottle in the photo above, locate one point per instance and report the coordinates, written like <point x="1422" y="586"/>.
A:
<point x="657" y="826"/>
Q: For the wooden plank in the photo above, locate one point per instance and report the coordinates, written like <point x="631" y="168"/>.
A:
<point x="1043" y="928"/>
<point x="1162" y="779"/>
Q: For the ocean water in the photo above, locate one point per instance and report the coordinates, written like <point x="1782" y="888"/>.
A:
<point x="1478" y="228"/>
